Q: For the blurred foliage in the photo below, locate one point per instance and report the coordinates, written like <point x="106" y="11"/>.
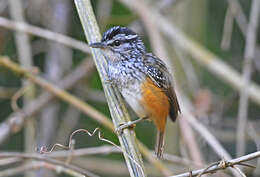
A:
<point x="121" y="15"/>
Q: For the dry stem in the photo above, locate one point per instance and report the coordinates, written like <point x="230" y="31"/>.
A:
<point x="56" y="37"/>
<point x="223" y="164"/>
<point x="246" y="78"/>
<point x="48" y="160"/>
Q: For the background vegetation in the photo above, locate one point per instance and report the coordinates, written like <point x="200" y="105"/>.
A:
<point x="211" y="46"/>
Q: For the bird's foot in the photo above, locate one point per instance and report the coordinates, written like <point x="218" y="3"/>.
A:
<point x="109" y="82"/>
<point x="121" y="127"/>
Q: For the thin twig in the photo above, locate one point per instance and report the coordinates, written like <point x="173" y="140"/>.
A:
<point x="192" y="144"/>
<point x="227" y="31"/>
<point x="25" y="57"/>
<point x="106" y="149"/>
<point x="239" y="171"/>
<point x="19" y="93"/>
<point x="56" y="37"/>
<point x="8" y="161"/>
<point x="256" y="138"/>
<point x="26" y="167"/>
<point x="192" y="79"/>
<point x="239" y="15"/>
<point x="30" y="166"/>
<point x="246" y="78"/>
<point x="205" y="169"/>
<point x="100" y="150"/>
<point x="181" y="160"/>
<point x="46" y="159"/>
<point x="222" y="165"/>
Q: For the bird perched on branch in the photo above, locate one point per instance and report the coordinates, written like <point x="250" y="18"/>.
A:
<point x="142" y="78"/>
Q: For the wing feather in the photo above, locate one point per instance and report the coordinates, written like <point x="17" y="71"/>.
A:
<point x="159" y="74"/>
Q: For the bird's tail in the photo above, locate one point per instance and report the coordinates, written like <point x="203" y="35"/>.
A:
<point x="159" y="144"/>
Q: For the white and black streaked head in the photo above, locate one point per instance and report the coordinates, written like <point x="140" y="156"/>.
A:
<point x="120" y="43"/>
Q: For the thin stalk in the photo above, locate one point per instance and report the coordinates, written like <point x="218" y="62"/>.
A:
<point x="26" y="60"/>
<point x="251" y="39"/>
<point x="221" y="165"/>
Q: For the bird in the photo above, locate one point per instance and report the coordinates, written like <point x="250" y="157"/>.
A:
<point x="143" y="79"/>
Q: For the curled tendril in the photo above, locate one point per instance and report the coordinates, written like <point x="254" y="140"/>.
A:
<point x="43" y="149"/>
<point x="19" y="93"/>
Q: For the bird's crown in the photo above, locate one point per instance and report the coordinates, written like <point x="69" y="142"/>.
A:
<point x="119" y="33"/>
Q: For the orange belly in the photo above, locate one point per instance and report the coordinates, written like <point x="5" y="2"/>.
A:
<point x="156" y="103"/>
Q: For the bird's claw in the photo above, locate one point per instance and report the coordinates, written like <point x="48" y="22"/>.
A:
<point x="109" y="82"/>
<point x="122" y="126"/>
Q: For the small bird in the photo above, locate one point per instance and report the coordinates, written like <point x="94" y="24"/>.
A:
<point x="142" y="79"/>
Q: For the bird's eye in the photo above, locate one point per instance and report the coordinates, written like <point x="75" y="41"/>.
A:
<point x="117" y="43"/>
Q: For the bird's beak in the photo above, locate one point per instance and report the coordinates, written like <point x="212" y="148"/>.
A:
<point x="97" y="45"/>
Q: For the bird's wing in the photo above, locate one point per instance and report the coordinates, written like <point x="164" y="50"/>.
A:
<point x="159" y="74"/>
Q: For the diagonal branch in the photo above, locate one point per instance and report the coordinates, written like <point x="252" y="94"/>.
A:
<point x="223" y="164"/>
<point x="115" y="102"/>
<point x="48" y="160"/>
<point x="238" y="14"/>
<point x="50" y="35"/>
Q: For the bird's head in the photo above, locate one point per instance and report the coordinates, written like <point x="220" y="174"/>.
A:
<point x="119" y="43"/>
